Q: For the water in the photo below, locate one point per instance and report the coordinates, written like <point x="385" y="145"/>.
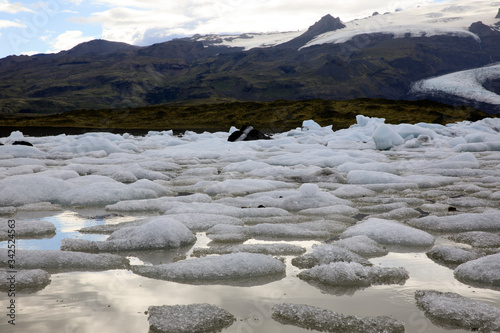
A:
<point x="116" y="300"/>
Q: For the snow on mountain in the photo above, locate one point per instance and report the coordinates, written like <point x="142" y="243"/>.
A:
<point x="467" y="84"/>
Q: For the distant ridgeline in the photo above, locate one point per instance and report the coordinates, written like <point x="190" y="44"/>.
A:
<point x="381" y="56"/>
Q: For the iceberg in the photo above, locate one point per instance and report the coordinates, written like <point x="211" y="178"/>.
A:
<point x="453" y="311"/>
<point x="323" y="320"/>
<point x="216" y="269"/>
<point x="189" y="318"/>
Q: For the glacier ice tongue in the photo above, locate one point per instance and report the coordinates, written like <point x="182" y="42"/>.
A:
<point x="453" y="311"/>
<point x="323" y="320"/>
<point x="216" y="269"/>
<point x="191" y="318"/>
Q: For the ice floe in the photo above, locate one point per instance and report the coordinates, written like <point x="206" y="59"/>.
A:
<point x="459" y="222"/>
<point x="483" y="272"/>
<point x="275" y="249"/>
<point x="221" y="269"/>
<point x="390" y="233"/>
<point x="159" y="233"/>
<point x="24" y="280"/>
<point x="453" y="311"/>
<point x="189" y="318"/>
<point x="480" y="239"/>
<point x="451" y="255"/>
<point x="64" y="261"/>
<point x="27" y="229"/>
<point x="328" y="253"/>
<point x="363" y="246"/>
<point x="323" y="320"/>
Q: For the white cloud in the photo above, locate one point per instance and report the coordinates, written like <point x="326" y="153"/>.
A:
<point x="12" y="8"/>
<point x="10" y="24"/>
<point x="68" y="40"/>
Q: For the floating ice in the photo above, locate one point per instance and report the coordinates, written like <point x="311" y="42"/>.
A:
<point x="453" y="311"/>
<point x="156" y="204"/>
<point x="342" y="274"/>
<point x="29" y="280"/>
<point x="390" y="233"/>
<point x="21" y="151"/>
<point x="189" y="318"/>
<point x="323" y="320"/>
<point x="460" y="222"/>
<point x="220" y="209"/>
<point x="228" y="233"/>
<point x="386" y="138"/>
<point x="276" y="249"/>
<point x="477" y="239"/>
<point x="484" y="271"/>
<point x="373" y="177"/>
<point x="451" y="255"/>
<point x="27" y="229"/>
<point x="245" y="186"/>
<point x="328" y="253"/>
<point x="331" y="210"/>
<point x="203" y="222"/>
<point x="64" y="261"/>
<point x="25" y="189"/>
<point x="159" y="233"/>
<point x="363" y="246"/>
<point x="218" y="269"/>
<point x="308" y="230"/>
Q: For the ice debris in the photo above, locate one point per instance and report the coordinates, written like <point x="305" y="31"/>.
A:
<point x="452" y="311"/>
<point x="159" y="233"/>
<point x="25" y="280"/>
<point x="215" y="269"/>
<point x="390" y="233"/>
<point x="328" y="253"/>
<point x="191" y="318"/>
<point x="323" y="320"/>
<point x="277" y="249"/>
<point x="354" y="274"/>
<point x="26" y="229"/>
<point x="479" y="239"/>
<point x="362" y="245"/>
<point x="459" y="222"/>
<point x="64" y="261"/>
<point x="483" y="272"/>
<point x="451" y="255"/>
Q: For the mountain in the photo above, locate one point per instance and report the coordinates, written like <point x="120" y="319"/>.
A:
<point x="382" y="56"/>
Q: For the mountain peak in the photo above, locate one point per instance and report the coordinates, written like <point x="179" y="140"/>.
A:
<point x="99" y="47"/>
<point x="325" y="24"/>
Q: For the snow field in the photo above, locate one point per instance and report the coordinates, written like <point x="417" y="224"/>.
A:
<point x="357" y="193"/>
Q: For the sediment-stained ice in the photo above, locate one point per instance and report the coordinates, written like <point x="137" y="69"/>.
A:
<point x="27" y="229"/>
<point x="191" y="318"/>
<point x="343" y="274"/>
<point x="487" y="221"/>
<point x="323" y="320"/>
<point x="328" y="253"/>
<point x="24" y="280"/>
<point x="159" y="233"/>
<point x="451" y="255"/>
<point x="484" y="272"/>
<point x="64" y="261"/>
<point x="216" y="269"/>
<point x="452" y="311"/>
<point x="390" y="233"/>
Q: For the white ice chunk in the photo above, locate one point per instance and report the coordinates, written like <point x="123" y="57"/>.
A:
<point x="330" y="210"/>
<point x="460" y="222"/>
<point x="453" y="311"/>
<point x="484" y="271"/>
<point x="373" y="177"/>
<point x="245" y="186"/>
<point x="21" y="151"/>
<point x="25" y="189"/>
<point x="477" y="239"/>
<point x="311" y="197"/>
<point x="24" y="280"/>
<point x="353" y="191"/>
<point x="189" y="318"/>
<point x="202" y="222"/>
<point x="451" y="255"/>
<point x="159" y="233"/>
<point x="390" y="233"/>
<point x="218" y="268"/>
<point x="26" y="229"/>
<point x="87" y="143"/>
<point x="328" y="253"/>
<point x="275" y="249"/>
<point x="228" y="233"/>
<point x="323" y="320"/>
<point x="386" y="138"/>
<point x="344" y="274"/>
<point x="65" y="261"/>
<point x="311" y="230"/>
<point x="156" y="204"/>
<point x="363" y="246"/>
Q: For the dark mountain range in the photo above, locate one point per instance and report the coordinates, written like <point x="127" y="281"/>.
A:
<point x="106" y="75"/>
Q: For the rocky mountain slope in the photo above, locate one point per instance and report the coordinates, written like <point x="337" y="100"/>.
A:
<point x="382" y="56"/>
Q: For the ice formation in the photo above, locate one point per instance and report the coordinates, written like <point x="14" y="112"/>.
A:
<point x="362" y="245"/>
<point x="344" y="274"/>
<point x="323" y="320"/>
<point x="390" y="233"/>
<point x="453" y="311"/>
<point x="26" y="229"/>
<point x="328" y="253"/>
<point x="484" y="271"/>
<point x="159" y="233"/>
<point x="189" y="318"/>
<point x="461" y="222"/>
<point x="276" y="249"/>
<point x="25" y="280"/>
<point x="215" y="269"/>
<point x="478" y="239"/>
<point x="64" y="261"/>
<point x="451" y="255"/>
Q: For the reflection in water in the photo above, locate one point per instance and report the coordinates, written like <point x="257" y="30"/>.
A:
<point x="116" y="300"/>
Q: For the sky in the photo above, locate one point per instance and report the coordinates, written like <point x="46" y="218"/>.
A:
<point x="49" y="26"/>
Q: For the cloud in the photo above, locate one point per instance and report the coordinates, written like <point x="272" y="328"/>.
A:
<point x="68" y="40"/>
<point x="10" y="24"/>
<point x="12" y="8"/>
